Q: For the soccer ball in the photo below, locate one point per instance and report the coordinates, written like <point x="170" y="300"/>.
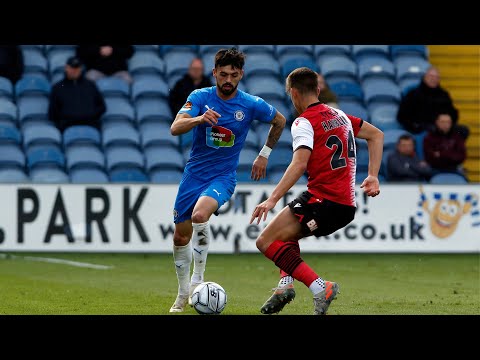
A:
<point x="209" y="298"/>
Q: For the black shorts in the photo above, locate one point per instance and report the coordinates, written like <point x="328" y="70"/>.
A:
<point x="320" y="217"/>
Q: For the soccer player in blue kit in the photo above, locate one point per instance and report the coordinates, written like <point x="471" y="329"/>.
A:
<point x="220" y="118"/>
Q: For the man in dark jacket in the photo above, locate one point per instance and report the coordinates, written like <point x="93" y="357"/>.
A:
<point x="194" y="79"/>
<point x="106" y="60"/>
<point x="420" y="106"/>
<point x="403" y="164"/>
<point x="11" y="62"/>
<point x="75" y="100"/>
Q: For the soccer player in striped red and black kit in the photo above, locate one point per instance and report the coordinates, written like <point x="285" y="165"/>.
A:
<point x="324" y="147"/>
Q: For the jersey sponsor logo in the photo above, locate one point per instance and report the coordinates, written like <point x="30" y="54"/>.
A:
<point x="218" y="136"/>
<point x="187" y="106"/>
<point x="239" y="115"/>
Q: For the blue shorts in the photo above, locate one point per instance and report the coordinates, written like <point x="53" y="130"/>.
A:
<point x="220" y="188"/>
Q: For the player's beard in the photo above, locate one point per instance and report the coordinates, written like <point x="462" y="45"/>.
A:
<point x="227" y="92"/>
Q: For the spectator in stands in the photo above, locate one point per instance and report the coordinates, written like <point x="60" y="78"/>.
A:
<point x="327" y="96"/>
<point x="444" y="148"/>
<point x="75" y="100"/>
<point x="403" y="164"/>
<point x="419" y="108"/>
<point x="195" y="78"/>
<point x="11" y="62"/>
<point x="106" y="60"/>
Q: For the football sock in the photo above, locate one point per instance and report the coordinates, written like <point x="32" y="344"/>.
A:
<point x="317" y="286"/>
<point x="200" y="243"/>
<point x="285" y="280"/>
<point x="286" y="255"/>
<point x="182" y="256"/>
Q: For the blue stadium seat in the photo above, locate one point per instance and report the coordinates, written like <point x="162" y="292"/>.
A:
<point x="347" y="90"/>
<point x="279" y="159"/>
<point x="46" y="157"/>
<point x="408" y="67"/>
<point x="213" y="48"/>
<point x="81" y="134"/>
<point x="8" y="113"/>
<point x="246" y="159"/>
<point x="375" y="67"/>
<point x="85" y="175"/>
<point x="282" y="106"/>
<point x="362" y="159"/>
<point x="407" y="84"/>
<point x="448" y="178"/>
<point x="35" y="63"/>
<point x="153" y="110"/>
<point x="147" y="48"/>
<point x="265" y="86"/>
<point x="385" y="117"/>
<point x="390" y="138"/>
<point x="32" y="85"/>
<point x="257" y="49"/>
<point x="320" y="50"/>
<point x="177" y="62"/>
<point x="84" y="155"/>
<point x="163" y="157"/>
<point x="397" y="51"/>
<point x="128" y="175"/>
<point x="165" y="49"/>
<point x="166" y="176"/>
<point x="6" y="89"/>
<point x="11" y="156"/>
<point x="54" y="49"/>
<point x="285" y="140"/>
<point x="353" y="107"/>
<point x="295" y="62"/>
<point x="113" y="86"/>
<point x="50" y="175"/>
<point x="41" y="134"/>
<point x="150" y="87"/>
<point x="120" y="134"/>
<point x="157" y="133"/>
<point x="359" y="52"/>
<point x="337" y="65"/>
<point x="142" y="63"/>
<point x="262" y="64"/>
<point x="123" y="157"/>
<point x="118" y="110"/>
<point x="282" y="51"/>
<point x="13" y="175"/>
<point x="380" y="89"/>
<point x="252" y="141"/>
<point x="10" y="135"/>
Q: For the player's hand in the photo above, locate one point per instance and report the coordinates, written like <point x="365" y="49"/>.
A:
<point x="371" y="186"/>
<point x="259" y="168"/>
<point x="210" y="117"/>
<point x="261" y="210"/>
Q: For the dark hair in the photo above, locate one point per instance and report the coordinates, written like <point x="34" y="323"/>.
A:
<point x="405" y="137"/>
<point x="304" y="79"/>
<point x="232" y="56"/>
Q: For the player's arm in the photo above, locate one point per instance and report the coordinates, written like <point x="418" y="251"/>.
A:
<point x="374" y="137"/>
<point x="184" y="122"/>
<point x="294" y="171"/>
<point x="259" y="168"/>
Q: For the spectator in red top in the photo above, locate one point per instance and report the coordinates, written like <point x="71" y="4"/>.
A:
<point x="444" y="148"/>
<point x="106" y="60"/>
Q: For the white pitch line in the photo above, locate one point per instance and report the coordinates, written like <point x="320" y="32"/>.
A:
<point x="57" y="261"/>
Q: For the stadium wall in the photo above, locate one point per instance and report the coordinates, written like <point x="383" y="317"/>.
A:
<point x="139" y="218"/>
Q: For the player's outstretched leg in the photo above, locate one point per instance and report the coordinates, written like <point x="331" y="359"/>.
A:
<point x="183" y="258"/>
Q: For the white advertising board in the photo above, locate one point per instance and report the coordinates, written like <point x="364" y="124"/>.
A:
<point x="139" y="218"/>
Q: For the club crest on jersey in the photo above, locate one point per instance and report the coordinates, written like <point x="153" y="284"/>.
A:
<point x="239" y="115"/>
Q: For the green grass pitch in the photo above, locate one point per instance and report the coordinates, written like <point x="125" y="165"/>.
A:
<point x="145" y="284"/>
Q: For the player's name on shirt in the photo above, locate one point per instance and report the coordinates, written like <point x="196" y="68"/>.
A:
<point x="334" y="123"/>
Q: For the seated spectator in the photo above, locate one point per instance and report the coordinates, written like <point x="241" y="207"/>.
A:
<point x="418" y="109"/>
<point x="444" y="148"/>
<point x="106" y="60"/>
<point x="403" y="164"/>
<point x="75" y="100"/>
<point x="327" y="96"/>
<point x="11" y="62"/>
<point x="195" y="78"/>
